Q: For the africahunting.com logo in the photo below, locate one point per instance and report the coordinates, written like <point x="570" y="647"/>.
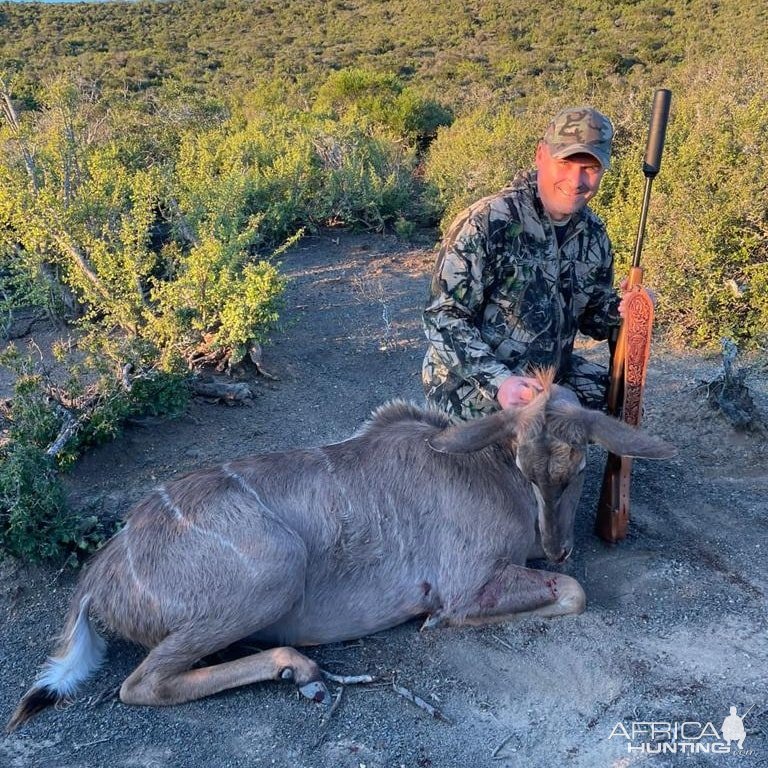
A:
<point x="687" y="737"/>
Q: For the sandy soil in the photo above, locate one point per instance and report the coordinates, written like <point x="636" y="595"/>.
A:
<point x="675" y="628"/>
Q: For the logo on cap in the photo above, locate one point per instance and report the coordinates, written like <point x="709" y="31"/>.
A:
<point x="580" y="129"/>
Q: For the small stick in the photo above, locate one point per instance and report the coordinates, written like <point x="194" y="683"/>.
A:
<point x="108" y="694"/>
<point x="495" y="754"/>
<point x="419" y="702"/>
<point x="57" y="576"/>
<point x="348" y="679"/>
<point x="90" y="743"/>
<point x="327" y="718"/>
<point x="380" y="685"/>
<point x="502" y="642"/>
<point x="334" y="706"/>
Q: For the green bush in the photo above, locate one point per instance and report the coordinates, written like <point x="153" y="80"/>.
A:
<point x="477" y="155"/>
<point x="366" y="98"/>
<point x="706" y="246"/>
<point x="268" y="174"/>
<point x="92" y="216"/>
<point x="368" y="179"/>
<point x="217" y="304"/>
<point x="34" y="522"/>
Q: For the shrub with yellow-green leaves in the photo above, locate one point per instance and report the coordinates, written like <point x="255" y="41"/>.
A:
<point x="706" y="246"/>
<point x="366" y="98"/>
<point x="478" y="155"/>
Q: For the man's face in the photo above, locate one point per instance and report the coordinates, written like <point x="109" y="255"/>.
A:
<point x="566" y="184"/>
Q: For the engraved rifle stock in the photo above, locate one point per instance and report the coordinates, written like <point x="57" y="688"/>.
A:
<point x="631" y="347"/>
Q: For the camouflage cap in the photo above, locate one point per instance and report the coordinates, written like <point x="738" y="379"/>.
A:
<point x="580" y="129"/>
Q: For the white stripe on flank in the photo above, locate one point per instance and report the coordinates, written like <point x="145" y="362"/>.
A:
<point x="129" y="559"/>
<point x="229" y="472"/>
<point x="225" y="542"/>
<point x="85" y="652"/>
<point x="171" y="506"/>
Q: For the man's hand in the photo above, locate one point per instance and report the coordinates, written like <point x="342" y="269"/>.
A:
<point x="624" y="287"/>
<point x="517" y="390"/>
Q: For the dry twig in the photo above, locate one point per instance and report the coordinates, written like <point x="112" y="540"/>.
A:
<point x="221" y="390"/>
<point x="327" y="717"/>
<point x="76" y="747"/>
<point x="336" y="701"/>
<point x="419" y="702"/>
<point x="348" y="679"/>
<point x="502" y="642"/>
<point x="108" y="694"/>
<point x="495" y="754"/>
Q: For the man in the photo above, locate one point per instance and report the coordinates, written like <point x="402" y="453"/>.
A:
<point x="519" y="273"/>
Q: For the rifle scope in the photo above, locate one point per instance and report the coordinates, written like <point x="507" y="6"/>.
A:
<point x="652" y="161"/>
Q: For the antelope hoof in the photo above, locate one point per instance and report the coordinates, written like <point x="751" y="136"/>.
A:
<point x="316" y="691"/>
<point x="434" y="621"/>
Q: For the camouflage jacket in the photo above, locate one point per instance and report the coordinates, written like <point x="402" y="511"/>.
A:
<point x="505" y="297"/>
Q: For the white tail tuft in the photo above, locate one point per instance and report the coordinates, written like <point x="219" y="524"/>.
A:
<point x="84" y="652"/>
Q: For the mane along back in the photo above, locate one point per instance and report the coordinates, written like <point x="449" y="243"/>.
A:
<point x="403" y="412"/>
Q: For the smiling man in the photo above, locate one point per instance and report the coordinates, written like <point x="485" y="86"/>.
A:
<point x="519" y="273"/>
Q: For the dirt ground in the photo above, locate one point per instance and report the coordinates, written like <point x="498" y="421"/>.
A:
<point x="675" y="629"/>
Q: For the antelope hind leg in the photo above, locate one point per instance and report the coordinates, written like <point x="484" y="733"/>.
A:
<point x="514" y="591"/>
<point x="164" y="679"/>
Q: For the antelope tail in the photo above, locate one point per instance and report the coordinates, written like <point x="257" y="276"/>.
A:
<point x="78" y="655"/>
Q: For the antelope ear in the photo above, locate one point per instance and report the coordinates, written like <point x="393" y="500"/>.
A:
<point x="623" y="440"/>
<point x="476" y="434"/>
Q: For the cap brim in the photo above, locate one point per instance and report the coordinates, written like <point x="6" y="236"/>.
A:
<point x="577" y="149"/>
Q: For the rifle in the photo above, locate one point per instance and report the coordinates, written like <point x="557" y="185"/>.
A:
<point x="631" y="346"/>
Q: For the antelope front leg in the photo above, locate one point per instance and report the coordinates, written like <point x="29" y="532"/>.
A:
<point x="514" y="591"/>
<point x="156" y="682"/>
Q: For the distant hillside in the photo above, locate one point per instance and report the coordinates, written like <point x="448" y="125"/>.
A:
<point x="244" y="121"/>
<point x="470" y="53"/>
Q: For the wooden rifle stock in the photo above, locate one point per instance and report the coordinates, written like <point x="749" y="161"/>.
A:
<point x="631" y="348"/>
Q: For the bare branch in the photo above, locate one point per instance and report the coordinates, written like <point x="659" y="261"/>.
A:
<point x="348" y="679"/>
<point x="221" y="390"/>
<point x="184" y="227"/>
<point x="10" y="114"/>
<point x="125" y="377"/>
<point x="68" y="430"/>
<point x="67" y="245"/>
<point x="495" y="755"/>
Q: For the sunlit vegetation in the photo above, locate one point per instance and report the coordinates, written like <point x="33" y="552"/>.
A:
<point x="156" y="157"/>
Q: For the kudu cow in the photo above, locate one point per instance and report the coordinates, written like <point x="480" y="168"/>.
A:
<point x="412" y="516"/>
